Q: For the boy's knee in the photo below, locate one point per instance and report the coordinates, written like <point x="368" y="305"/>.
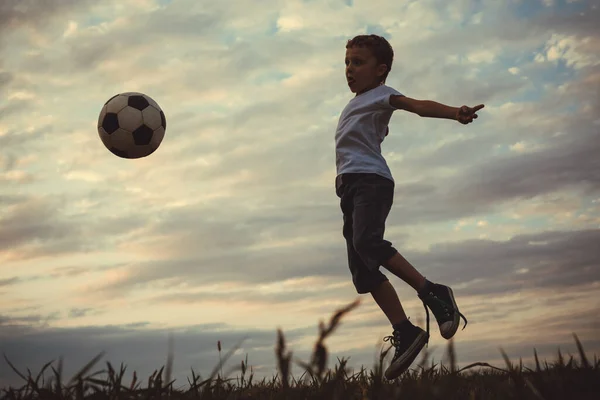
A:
<point x="374" y="252"/>
<point x="366" y="247"/>
<point x="369" y="283"/>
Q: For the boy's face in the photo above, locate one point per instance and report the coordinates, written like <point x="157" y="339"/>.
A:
<point x="362" y="71"/>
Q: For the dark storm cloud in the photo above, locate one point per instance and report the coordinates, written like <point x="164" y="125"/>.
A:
<point x="582" y="23"/>
<point x="559" y="260"/>
<point x="568" y="259"/>
<point x="23" y="321"/>
<point x="568" y="161"/>
<point x="142" y="350"/>
<point x="500" y="25"/>
<point x="571" y="162"/>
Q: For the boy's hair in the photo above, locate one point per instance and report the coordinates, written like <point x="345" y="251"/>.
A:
<point x="379" y="47"/>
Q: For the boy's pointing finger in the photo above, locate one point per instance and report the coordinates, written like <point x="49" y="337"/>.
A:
<point x="477" y="108"/>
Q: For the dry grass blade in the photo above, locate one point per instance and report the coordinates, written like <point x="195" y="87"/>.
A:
<point x="37" y="379"/>
<point x="283" y="360"/>
<point x="58" y="376"/>
<point x="561" y="360"/>
<point x="556" y="380"/>
<point x="506" y="360"/>
<point x="335" y="319"/>
<point x="570" y="363"/>
<point x="319" y="357"/>
<point x="537" y="361"/>
<point x="452" y="356"/>
<point x="133" y="381"/>
<point x="86" y="368"/>
<point x="533" y="389"/>
<point x="14" y="369"/>
<point x="584" y="360"/>
<point x="481" y="364"/>
<point x="227" y="355"/>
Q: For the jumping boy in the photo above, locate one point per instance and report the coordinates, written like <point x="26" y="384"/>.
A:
<point x="365" y="187"/>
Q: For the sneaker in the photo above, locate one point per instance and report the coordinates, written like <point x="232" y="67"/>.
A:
<point x="408" y="344"/>
<point x="440" y="300"/>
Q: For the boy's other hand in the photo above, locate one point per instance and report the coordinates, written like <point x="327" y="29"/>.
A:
<point x="466" y="114"/>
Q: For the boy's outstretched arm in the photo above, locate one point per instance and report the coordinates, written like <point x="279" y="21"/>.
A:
<point x="431" y="109"/>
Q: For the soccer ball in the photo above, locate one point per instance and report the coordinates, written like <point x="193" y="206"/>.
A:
<point x="131" y="125"/>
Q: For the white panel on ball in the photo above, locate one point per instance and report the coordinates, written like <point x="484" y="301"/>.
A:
<point x="157" y="136"/>
<point x="151" y="117"/>
<point x="130" y="119"/>
<point x="117" y="104"/>
<point x="122" y="140"/>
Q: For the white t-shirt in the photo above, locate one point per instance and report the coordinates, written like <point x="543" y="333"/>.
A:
<point x="361" y="130"/>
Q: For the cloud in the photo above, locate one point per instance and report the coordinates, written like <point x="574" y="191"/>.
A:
<point x="571" y="163"/>
<point x="79" y="312"/>
<point x="143" y="347"/>
<point x="236" y="211"/>
<point x="9" y="281"/>
<point x="136" y="346"/>
<point x="32" y="220"/>
<point x="546" y="260"/>
<point x="17" y="13"/>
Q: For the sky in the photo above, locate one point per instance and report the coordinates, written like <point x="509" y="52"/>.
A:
<point x="232" y="228"/>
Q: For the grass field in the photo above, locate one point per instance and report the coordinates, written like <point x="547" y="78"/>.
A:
<point x="561" y="379"/>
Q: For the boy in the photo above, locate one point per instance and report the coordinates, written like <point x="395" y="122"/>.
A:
<point x="365" y="187"/>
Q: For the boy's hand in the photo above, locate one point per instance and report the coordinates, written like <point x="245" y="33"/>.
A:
<point x="466" y="114"/>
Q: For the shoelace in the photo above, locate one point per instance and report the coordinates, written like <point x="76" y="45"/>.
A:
<point x="447" y="308"/>
<point x="394" y="341"/>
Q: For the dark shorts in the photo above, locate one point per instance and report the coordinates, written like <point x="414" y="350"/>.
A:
<point x="366" y="200"/>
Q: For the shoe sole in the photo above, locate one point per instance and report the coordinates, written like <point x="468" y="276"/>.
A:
<point x="455" y="322"/>
<point x="403" y="362"/>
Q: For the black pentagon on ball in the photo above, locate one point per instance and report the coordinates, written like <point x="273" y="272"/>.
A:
<point x="119" y="153"/>
<point x="163" y="120"/>
<point x="142" y="135"/>
<point x="110" y="123"/>
<point x="137" y="102"/>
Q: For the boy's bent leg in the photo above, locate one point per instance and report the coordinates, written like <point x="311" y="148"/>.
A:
<point x="404" y="270"/>
<point x="386" y="297"/>
<point x="372" y="202"/>
<point x="364" y="279"/>
<point x="438" y="298"/>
